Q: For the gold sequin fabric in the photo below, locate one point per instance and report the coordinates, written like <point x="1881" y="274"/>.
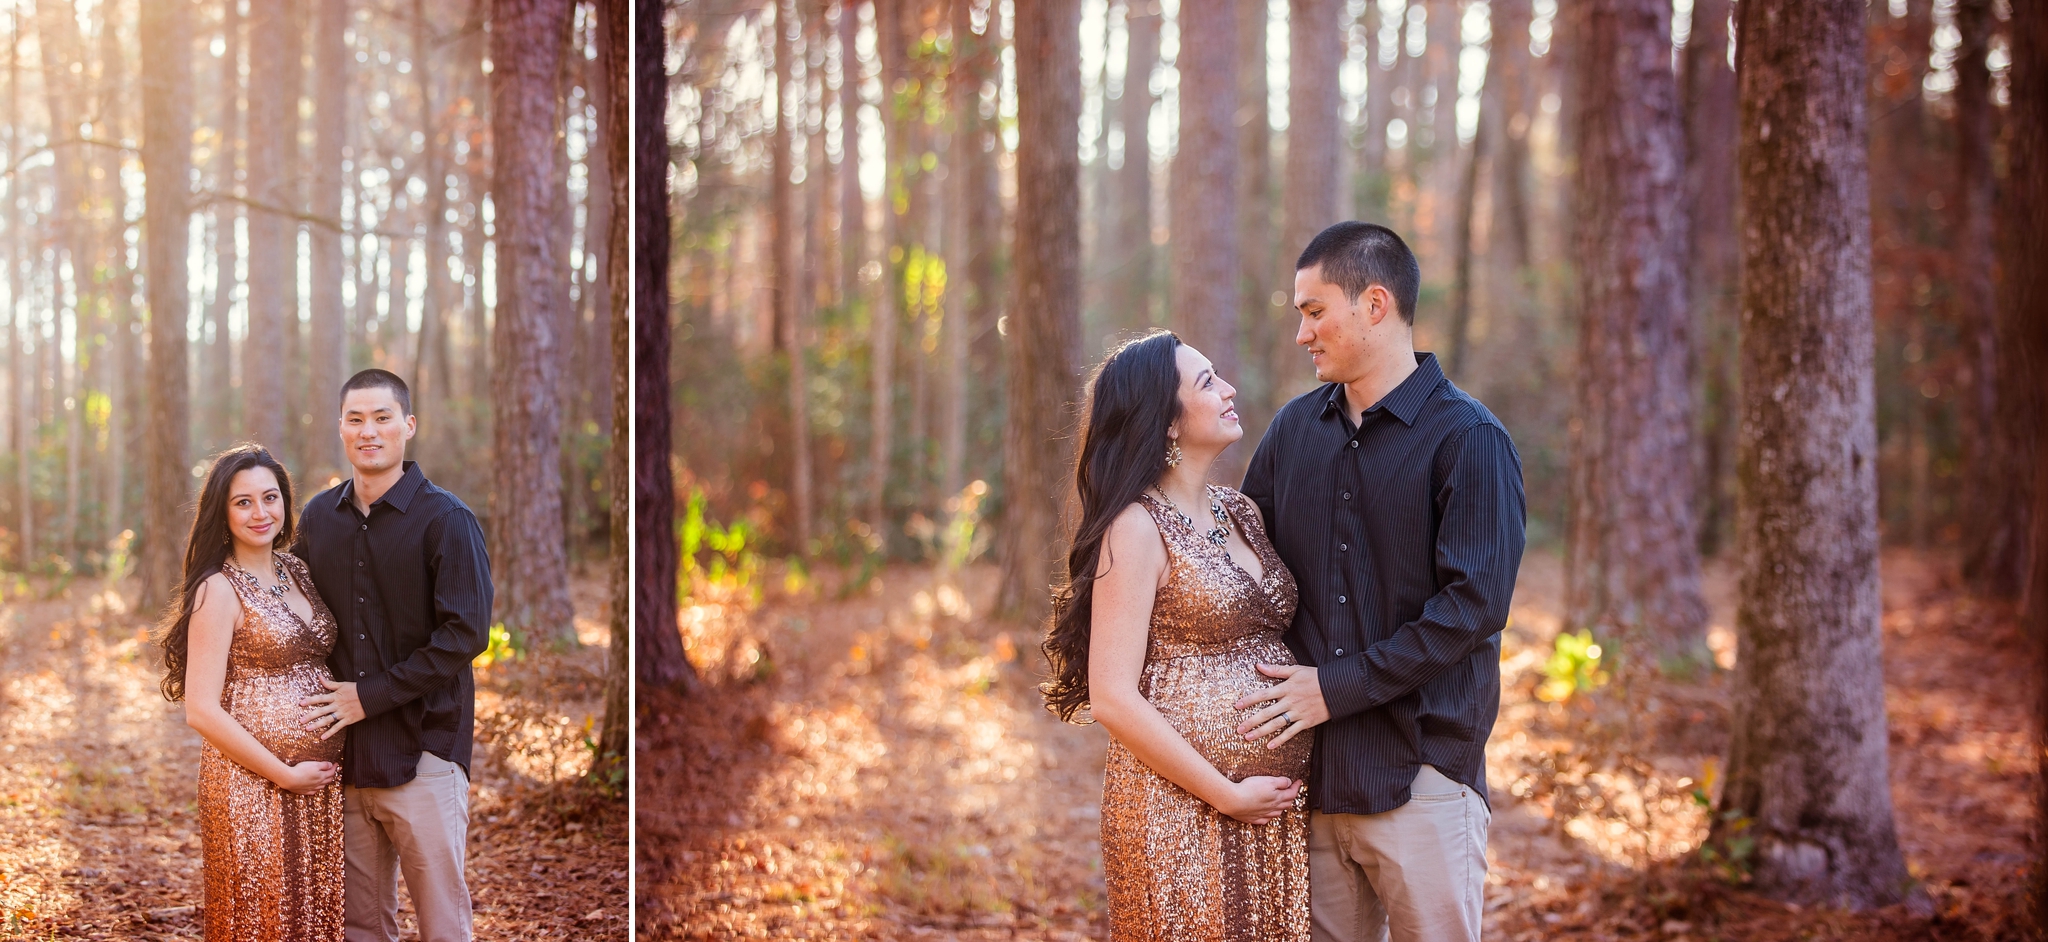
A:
<point x="274" y="866"/>
<point x="1177" y="869"/>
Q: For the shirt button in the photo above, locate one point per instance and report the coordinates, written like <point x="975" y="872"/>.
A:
<point x="362" y="637"/>
<point x="359" y="564"/>
<point x="361" y="674"/>
<point x="1340" y="652"/>
<point x="366" y="526"/>
<point x="359" y="598"/>
<point x="1343" y="547"/>
<point x="1354" y="443"/>
<point x="1347" y="495"/>
<point x="1340" y="600"/>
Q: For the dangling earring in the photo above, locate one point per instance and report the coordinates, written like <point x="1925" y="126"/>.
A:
<point x="1173" y="453"/>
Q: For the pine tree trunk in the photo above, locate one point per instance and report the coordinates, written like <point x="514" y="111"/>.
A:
<point x="657" y="640"/>
<point x="273" y="257"/>
<point x="1456" y="363"/>
<point x="1130" y="249"/>
<point x="1632" y="570"/>
<point x="1258" y="276"/>
<point x="166" y="32"/>
<point x="1313" y="188"/>
<point x="1205" y="260"/>
<point x="1993" y="534"/>
<point x="614" y="68"/>
<point x="1707" y="87"/>
<point x="327" y="347"/>
<point x="964" y="85"/>
<point x="1808" y="762"/>
<point x="430" y="382"/>
<point x="216" y="396"/>
<point x="1045" y="323"/>
<point x="527" y="41"/>
<point x="2023" y="302"/>
<point x="21" y="369"/>
<point x="787" y="281"/>
<point x="1508" y="76"/>
<point x="853" y="225"/>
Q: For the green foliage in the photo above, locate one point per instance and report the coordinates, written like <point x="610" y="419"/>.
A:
<point x="607" y="773"/>
<point x="503" y="646"/>
<point x="714" y="555"/>
<point x="1573" y="667"/>
<point x="961" y="539"/>
<point x="1730" y="853"/>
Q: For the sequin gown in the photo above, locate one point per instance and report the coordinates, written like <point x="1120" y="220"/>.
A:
<point x="1176" y="868"/>
<point x="274" y="867"/>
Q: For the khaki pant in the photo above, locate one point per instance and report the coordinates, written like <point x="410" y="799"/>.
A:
<point x="422" y="828"/>
<point x="1416" y="873"/>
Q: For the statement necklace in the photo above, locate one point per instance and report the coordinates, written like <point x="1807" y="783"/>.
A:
<point x="281" y="587"/>
<point x="1220" y="535"/>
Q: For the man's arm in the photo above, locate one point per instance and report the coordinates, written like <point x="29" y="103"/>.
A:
<point x="1478" y="552"/>
<point x="462" y="619"/>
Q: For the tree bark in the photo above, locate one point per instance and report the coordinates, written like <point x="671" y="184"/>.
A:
<point x="1509" y="50"/>
<point x="1045" y="323"/>
<point x="327" y="347"/>
<point x="526" y="54"/>
<point x="786" y="283"/>
<point x="22" y="368"/>
<point x="166" y="33"/>
<point x="1708" y="93"/>
<point x="658" y="642"/>
<point x="1130" y="249"/>
<point x="2023" y="302"/>
<point x="1314" y="188"/>
<point x="1255" y="197"/>
<point x="853" y="224"/>
<point x="1993" y="517"/>
<point x="1205" y="261"/>
<point x="614" y="40"/>
<point x="1808" y="764"/>
<point x="882" y="320"/>
<point x="121" y="363"/>
<point x="1632" y="568"/>
<point x="431" y="381"/>
<point x="970" y="57"/>
<point x="273" y="104"/>
<point x="217" y="398"/>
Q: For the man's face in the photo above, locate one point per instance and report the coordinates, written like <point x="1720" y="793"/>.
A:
<point x="374" y="429"/>
<point x="1335" y="329"/>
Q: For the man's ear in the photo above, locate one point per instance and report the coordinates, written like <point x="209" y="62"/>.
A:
<point x="1378" y="304"/>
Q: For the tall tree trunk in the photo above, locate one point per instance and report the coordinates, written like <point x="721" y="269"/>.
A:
<point x="327" y="347"/>
<point x="273" y="256"/>
<point x="166" y="33"/>
<point x="1381" y="57"/>
<point x="21" y="368"/>
<point x="852" y="206"/>
<point x="964" y="85"/>
<point x="217" y="399"/>
<point x="1508" y="76"/>
<point x="787" y="281"/>
<point x="1132" y="255"/>
<point x="2024" y="307"/>
<point x="614" y="88"/>
<point x="1633" y="571"/>
<point x="1708" y="94"/>
<point x="1045" y="323"/>
<point x="658" y="641"/>
<point x="64" y="97"/>
<point x="527" y="42"/>
<point x="1204" y="185"/>
<point x="883" y="320"/>
<point x="1314" y="188"/>
<point x="430" y="381"/>
<point x="478" y="325"/>
<point x="1456" y="362"/>
<point x="121" y="364"/>
<point x="1808" y="765"/>
<point x="1257" y="278"/>
<point x="1993" y="534"/>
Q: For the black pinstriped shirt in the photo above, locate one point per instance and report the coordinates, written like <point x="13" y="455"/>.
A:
<point x="1404" y="533"/>
<point x="410" y="588"/>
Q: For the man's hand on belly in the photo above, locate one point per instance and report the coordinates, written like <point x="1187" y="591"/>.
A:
<point x="335" y="710"/>
<point x="1290" y="706"/>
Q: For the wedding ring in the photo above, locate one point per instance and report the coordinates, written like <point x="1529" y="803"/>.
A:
<point x="1287" y="718"/>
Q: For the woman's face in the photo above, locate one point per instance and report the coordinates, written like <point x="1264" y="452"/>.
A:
<point x="255" y="507"/>
<point x="1208" y="417"/>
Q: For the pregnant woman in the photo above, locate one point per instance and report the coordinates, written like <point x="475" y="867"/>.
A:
<point x="245" y="641"/>
<point x="1174" y="598"/>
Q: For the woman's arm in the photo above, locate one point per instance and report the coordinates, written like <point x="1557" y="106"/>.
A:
<point x="212" y="631"/>
<point x="1132" y="568"/>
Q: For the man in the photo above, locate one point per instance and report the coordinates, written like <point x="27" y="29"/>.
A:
<point x="1396" y="500"/>
<point x="401" y="563"/>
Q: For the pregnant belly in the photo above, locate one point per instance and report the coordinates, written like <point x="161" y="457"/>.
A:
<point x="268" y="707"/>
<point x="1196" y="695"/>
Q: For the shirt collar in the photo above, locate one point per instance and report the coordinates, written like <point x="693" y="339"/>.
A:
<point x="1405" y="401"/>
<point x="397" y="498"/>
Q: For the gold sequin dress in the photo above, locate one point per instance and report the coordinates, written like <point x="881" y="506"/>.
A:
<point x="274" y="867"/>
<point x="1178" y="869"/>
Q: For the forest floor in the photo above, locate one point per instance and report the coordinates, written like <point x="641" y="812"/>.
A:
<point x="876" y="765"/>
<point x="99" y="831"/>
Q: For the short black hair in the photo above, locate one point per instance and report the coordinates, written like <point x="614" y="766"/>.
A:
<point x="381" y="379"/>
<point x="1357" y="255"/>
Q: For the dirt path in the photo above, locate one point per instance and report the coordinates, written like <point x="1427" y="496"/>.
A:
<point x="98" y="826"/>
<point x="878" y="766"/>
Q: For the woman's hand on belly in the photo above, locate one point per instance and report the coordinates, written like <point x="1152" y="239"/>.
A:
<point x="307" y="778"/>
<point x="1260" y="799"/>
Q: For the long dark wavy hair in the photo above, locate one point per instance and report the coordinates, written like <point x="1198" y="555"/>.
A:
<point x="1133" y="399"/>
<point x="208" y="548"/>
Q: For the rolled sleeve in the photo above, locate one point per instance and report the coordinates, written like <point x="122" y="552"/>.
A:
<point x="1478" y="552"/>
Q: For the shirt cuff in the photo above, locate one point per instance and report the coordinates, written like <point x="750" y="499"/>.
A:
<point x="1343" y="685"/>
<point x="374" y="693"/>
